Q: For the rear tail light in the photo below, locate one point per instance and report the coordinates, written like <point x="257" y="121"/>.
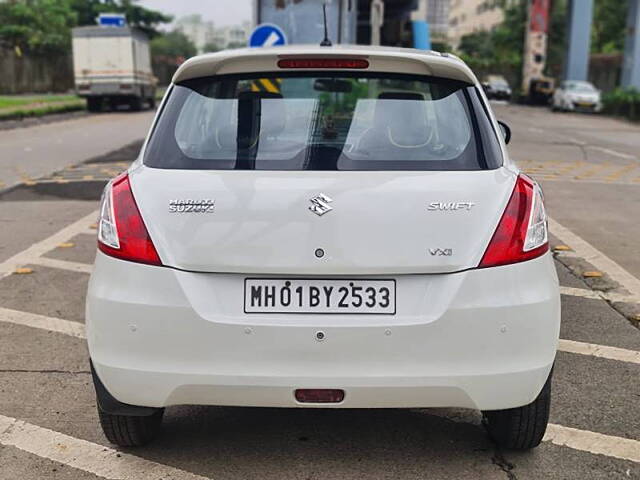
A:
<point x="121" y="230"/>
<point x="522" y="232"/>
<point x="319" y="395"/>
<point x="335" y="63"/>
<point x="126" y="86"/>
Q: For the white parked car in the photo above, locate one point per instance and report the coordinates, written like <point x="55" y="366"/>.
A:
<point x="335" y="227"/>
<point x="575" y="95"/>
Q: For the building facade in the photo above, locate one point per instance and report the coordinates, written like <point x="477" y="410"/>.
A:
<point x="205" y="35"/>
<point x="469" y="16"/>
<point x="232" y="36"/>
<point x="197" y="30"/>
<point x="438" y="19"/>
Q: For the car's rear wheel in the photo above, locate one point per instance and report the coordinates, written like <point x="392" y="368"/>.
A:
<point x="523" y="427"/>
<point x="135" y="103"/>
<point x="129" y="430"/>
<point x="94" y="104"/>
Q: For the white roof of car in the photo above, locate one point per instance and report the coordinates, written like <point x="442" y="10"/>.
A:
<point x="381" y="59"/>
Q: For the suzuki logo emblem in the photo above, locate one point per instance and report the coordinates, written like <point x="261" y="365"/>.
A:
<point x="320" y="204"/>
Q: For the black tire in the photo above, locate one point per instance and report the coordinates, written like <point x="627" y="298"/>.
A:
<point x="128" y="430"/>
<point x="136" y="104"/>
<point x="520" y="428"/>
<point x="94" y="104"/>
<point x="152" y="103"/>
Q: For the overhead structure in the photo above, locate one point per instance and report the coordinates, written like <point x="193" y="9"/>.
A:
<point x="579" y="19"/>
<point x="631" y="64"/>
<point x="420" y="27"/>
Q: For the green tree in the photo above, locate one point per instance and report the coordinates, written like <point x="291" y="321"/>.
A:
<point x="40" y="27"/>
<point x="173" y="45"/>
<point x="609" y="25"/>
<point x="43" y="27"/>
<point x="502" y="48"/>
<point x="508" y="37"/>
<point x="556" y="40"/>
<point x="477" y="44"/>
<point x="211" y="47"/>
<point x="140" y="17"/>
<point x="236" y="45"/>
<point x="499" y="50"/>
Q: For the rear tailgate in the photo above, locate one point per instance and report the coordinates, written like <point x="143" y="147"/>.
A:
<point x="379" y="222"/>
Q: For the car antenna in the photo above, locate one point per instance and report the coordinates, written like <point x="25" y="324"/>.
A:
<point x="325" y="41"/>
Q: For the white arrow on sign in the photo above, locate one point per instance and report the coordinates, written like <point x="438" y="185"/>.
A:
<point x="271" y="39"/>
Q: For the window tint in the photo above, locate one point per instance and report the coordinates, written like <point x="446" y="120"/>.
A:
<point x="321" y="122"/>
<point x="580" y="86"/>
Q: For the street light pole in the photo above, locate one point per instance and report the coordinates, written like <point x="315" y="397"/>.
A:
<point x="376" y="20"/>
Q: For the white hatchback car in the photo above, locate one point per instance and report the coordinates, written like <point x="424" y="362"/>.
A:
<point x="324" y="227"/>
<point x="576" y="96"/>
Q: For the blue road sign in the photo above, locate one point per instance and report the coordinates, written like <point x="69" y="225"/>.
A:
<point x="112" y="20"/>
<point x="267" y="35"/>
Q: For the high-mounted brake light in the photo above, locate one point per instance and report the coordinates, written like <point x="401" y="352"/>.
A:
<point x="337" y="63"/>
<point x="319" y="395"/>
<point x="121" y="230"/>
<point x="522" y="232"/>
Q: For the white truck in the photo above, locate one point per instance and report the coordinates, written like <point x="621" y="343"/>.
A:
<point x="113" y="65"/>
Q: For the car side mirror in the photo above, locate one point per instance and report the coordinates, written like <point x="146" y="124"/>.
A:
<point x="506" y="131"/>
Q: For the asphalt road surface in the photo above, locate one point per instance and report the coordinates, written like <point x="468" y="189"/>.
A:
<point x="588" y="166"/>
<point x="29" y="153"/>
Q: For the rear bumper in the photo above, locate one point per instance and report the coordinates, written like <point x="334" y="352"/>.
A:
<point x="584" y="107"/>
<point x="114" y="89"/>
<point x="481" y="339"/>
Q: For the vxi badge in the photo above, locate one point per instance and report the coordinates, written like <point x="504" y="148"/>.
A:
<point x="446" y="206"/>
<point x="441" y="252"/>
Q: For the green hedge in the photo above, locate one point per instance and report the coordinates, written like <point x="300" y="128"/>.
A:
<point x="42" y="110"/>
<point x="624" y="102"/>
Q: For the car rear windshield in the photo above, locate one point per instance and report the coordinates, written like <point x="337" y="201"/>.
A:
<point x="323" y="121"/>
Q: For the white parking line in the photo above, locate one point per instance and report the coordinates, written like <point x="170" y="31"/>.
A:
<point x="583" y="440"/>
<point x="63" y="264"/>
<point x="592" y="442"/>
<point x="38" y="249"/>
<point x="598" y="259"/>
<point x="601" y="351"/>
<point x="573" y="438"/>
<point x="51" y="324"/>
<point x="107" y="463"/>
<point x="580" y="292"/>
<point x="613" y="153"/>
<point x="83" y="455"/>
<point x="598" y="295"/>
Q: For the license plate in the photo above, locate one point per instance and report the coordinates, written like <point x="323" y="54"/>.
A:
<point x="295" y="295"/>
